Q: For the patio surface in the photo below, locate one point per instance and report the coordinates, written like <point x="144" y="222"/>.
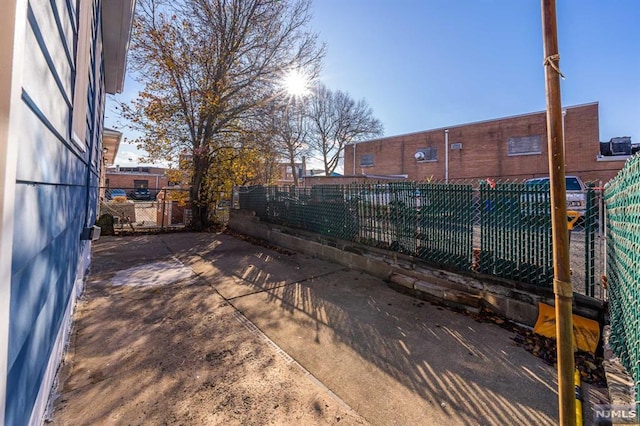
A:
<point x="205" y="328"/>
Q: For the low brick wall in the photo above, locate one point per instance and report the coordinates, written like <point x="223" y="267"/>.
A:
<point x="410" y="275"/>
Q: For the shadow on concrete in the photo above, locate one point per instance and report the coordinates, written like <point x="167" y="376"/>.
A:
<point x="172" y="353"/>
<point x="391" y="357"/>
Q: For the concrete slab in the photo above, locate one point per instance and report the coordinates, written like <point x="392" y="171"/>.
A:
<point x="397" y="360"/>
<point x="236" y="268"/>
<point x="194" y="351"/>
<point x="171" y="350"/>
<point x="143" y="249"/>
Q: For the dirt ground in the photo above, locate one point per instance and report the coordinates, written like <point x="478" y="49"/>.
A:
<point x="148" y="348"/>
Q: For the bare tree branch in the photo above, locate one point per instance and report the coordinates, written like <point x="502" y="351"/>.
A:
<point x="208" y="67"/>
<point x="336" y="120"/>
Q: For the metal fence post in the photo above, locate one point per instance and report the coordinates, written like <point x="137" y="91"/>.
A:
<point x="589" y="243"/>
<point x="164" y="203"/>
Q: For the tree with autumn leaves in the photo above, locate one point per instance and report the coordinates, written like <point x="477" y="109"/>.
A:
<point x="213" y="95"/>
<point x="209" y="69"/>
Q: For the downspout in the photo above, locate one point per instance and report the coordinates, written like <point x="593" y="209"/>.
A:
<point x="354" y="158"/>
<point x="446" y="156"/>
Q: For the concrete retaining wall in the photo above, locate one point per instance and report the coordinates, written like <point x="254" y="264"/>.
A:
<point x="515" y="301"/>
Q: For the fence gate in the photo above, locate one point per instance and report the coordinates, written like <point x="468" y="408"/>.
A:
<point x="140" y="210"/>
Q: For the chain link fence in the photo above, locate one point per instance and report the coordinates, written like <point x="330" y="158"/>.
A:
<point x="139" y="210"/>
<point x="497" y="228"/>
<point x="622" y="201"/>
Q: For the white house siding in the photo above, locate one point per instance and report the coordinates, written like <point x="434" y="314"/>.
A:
<point x="56" y="187"/>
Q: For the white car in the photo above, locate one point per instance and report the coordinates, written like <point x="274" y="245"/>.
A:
<point x="576" y="194"/>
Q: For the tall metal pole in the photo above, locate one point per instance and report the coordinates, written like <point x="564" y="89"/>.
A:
<point x="561" y="266"/>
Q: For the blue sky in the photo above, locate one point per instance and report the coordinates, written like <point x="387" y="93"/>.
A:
<point x="423" y="64"/>
<point x="434" y="63"/>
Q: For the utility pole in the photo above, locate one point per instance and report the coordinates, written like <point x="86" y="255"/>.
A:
<point x="562" y="287"/>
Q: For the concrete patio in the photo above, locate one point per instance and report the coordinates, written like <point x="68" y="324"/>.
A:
<point x="209" y="329"/>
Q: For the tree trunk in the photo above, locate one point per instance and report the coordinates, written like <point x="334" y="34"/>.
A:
<point x="294" y="172"/>
<point x="196" y="219"/>
<point x="199" y="207"/>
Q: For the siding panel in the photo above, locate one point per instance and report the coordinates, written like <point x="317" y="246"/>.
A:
<point x="33" y="214"/>
<point x="41" y="282"/>
<point x="66" y="29"/>
<point x="40" y="84"/>
<point x="44" y="280"/>
<point x="37" y="146"/>
<point x="55" y="42"/>
<point x="52" y="200"/>
<point x="30" y="350"/>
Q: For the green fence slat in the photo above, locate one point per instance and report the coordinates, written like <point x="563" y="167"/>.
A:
<point x="436" y="221"/>
<point x="622" y="207"/>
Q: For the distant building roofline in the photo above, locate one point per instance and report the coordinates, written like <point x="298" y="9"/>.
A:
<point x="469" y="124"/>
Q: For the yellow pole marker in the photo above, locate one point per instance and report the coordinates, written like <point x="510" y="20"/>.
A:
<point x="576" y="377"/>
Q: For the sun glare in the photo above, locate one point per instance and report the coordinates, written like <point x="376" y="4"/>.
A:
<point x="296" y="83"/>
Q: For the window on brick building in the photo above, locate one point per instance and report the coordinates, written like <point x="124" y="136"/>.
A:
<point x="429" y="154"/>
<point x="366" y="160"/>
<point x="524" y="145"/>
<point x="140" y="183"/>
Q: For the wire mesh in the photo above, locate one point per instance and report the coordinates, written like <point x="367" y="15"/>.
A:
<point x="501" y="229"/>
<point x="254" y="198"/>
<point x="515" y="232"/>
<point x="136" y="210"/>
<point x="622" y="201"/>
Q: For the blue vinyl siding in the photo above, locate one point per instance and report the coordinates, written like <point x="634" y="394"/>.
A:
<point x="48" y="210"/>
<point x="40" y="294"/>
<point x="66" y="35"/>
<point x="40" y="142"/>
<point x="33" y="23"/>
<point x="56" y="196"/>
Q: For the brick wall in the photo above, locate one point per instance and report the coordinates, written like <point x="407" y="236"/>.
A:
<point x="285" y="174"/>
<point x="484" y="152"/>
<point x="124" y="180"/>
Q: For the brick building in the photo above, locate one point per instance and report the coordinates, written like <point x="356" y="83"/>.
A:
<point x="284" y="172"/>
<point x="506" y="148"/>
<point x="128" y="178"/>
